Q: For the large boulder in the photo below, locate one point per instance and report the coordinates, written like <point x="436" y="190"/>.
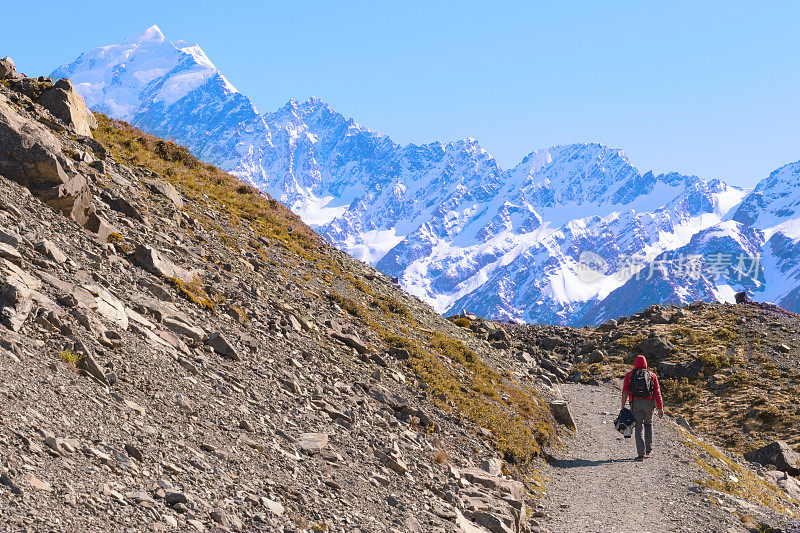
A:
<point x="167" y="190"/>
<point x="789" y="484"/>
<point x="31" y="155"/>
<point x="8" y="70"/>
<point x="99" y="226"/>
<point x="677" y="370"/>
<point x="562" y="413"/>
<point x="657" y="347"/>
<point x="776" y="453"/>
<point x="16" y="302"/>
<point x="64" y="102"/>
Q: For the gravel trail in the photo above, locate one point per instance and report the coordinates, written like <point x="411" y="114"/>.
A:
<point x="596" y="486"/>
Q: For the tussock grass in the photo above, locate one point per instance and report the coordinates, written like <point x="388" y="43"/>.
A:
<point x="206" y="185"/>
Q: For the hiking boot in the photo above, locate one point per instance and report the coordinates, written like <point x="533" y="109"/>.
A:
<point x="640" y="458"/>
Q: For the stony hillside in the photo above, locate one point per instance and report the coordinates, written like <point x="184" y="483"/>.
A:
<point x="179" y="351"/>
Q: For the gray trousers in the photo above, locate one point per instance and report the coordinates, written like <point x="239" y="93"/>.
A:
<point x="643" y="413"/>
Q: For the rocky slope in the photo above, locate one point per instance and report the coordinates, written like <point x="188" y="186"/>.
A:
<point x="572" y="235"/>
<point x="179" y="352"/>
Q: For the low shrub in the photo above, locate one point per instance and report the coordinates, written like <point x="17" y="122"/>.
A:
<point x="463" y="322"/>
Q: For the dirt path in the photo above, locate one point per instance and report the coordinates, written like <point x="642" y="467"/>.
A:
<point x="595" y="482"/>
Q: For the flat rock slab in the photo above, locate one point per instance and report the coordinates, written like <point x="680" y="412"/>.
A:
<point x="311" y="443"/>
<point x="10" y="253"/>
<point x="157" y="263"/>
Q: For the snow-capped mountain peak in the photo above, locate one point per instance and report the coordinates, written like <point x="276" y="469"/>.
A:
<point x="153" y="34"/>
<point x="124" y="78"/>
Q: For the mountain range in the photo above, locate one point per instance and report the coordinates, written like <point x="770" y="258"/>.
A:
<point x="573" y="234"/>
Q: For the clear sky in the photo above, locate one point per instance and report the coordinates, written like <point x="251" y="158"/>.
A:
<point x="703" y="87"/>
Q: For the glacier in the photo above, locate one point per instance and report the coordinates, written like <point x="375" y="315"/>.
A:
<point x="455" y="228"/>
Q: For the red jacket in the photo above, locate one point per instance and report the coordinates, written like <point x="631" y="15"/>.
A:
<point x="639" y="363"/>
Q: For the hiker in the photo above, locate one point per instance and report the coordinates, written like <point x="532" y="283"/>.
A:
<point x="642" y="387"/>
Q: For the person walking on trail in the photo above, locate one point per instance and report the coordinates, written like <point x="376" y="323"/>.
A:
<point x="641" y="386"/>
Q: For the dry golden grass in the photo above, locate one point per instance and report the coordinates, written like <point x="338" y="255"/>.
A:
<point x="513" y="418"/>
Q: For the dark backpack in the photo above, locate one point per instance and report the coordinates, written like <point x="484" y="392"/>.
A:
<point x="641" y="385"/>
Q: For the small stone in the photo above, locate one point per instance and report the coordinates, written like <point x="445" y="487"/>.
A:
<point x="38" y="484"/>
<point x="392" y="460"/>
<point x="562" y="413"/>
<point x="253" y="444"/>
<point x="351" y="341"/>
<point x="90" y="366"/>
<point x="53" y="445"/>
<point x="134" y="452"/>
<point x="171" y="467"/>
<point x="140" y="497"/>
<point x="219" y="516"/>
<point x="272" y="506"/>
<point x="174" y="497"/>
<point x="222" y="346"/>
<point x="48" y="249"/>
<point x="6" y="480"/>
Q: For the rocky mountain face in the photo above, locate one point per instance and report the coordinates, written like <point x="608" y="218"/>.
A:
<point x="571" y="235"/>
<point x="179" y="352"/>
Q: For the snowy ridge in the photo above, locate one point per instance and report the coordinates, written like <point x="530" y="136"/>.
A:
<point x="569" y="235"/>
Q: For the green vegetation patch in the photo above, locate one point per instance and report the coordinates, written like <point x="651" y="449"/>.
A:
<point x="518" y="420"/>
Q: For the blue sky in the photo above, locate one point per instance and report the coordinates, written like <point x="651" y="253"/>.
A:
<point x="707" y="88"/>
